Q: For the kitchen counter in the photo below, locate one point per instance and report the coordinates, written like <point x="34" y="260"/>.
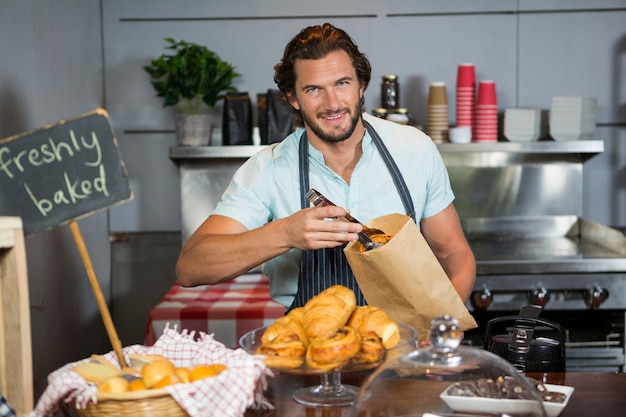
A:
<point x="595" y="394"/>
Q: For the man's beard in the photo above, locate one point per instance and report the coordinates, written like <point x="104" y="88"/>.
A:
<point x="334" y="136"/>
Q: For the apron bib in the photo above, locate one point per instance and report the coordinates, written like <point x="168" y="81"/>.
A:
<point x="322" y="268"/>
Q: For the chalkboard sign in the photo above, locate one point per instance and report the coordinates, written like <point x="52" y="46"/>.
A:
<point x="61" y="172"/>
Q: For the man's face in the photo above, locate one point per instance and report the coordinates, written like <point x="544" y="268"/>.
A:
<point x="328" y="95"/>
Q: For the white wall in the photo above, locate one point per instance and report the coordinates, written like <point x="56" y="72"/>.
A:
<point x="50" y="69"/>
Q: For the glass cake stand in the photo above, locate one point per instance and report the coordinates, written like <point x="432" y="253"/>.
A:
<point x="331" y="392"/>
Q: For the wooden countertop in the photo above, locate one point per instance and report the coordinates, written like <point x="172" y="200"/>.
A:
<point x="596" y="394"/>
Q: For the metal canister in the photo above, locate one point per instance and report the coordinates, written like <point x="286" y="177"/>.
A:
<point x="380" y="112"/>
<point x="390" y="92"/>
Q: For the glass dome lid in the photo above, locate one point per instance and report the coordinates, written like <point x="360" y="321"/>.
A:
<point x="448" y="379"/>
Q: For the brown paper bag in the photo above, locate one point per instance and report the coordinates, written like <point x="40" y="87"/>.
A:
<point x="404" y="277"/>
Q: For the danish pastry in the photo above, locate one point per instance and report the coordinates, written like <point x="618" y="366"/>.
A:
<point x="372" y="350"/>
<point x="334" y="349"/>
<point x="283" y="355"/>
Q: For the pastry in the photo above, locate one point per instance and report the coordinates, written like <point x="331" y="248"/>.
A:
<point x="328" y="332"/>
<point x="283" y="355"/>
<point x="370" y="319"/>
<point x="284" y="342"/>
<point x="381" y="238"/>
<point x="334" y="349"/>
<point x="285" y="329"/>
<point x="328" y="311"/>
<point x="371" y="351"/>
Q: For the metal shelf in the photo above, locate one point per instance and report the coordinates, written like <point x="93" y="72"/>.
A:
<point x="510" y="153"/>
<point x="214" y="152"/>
<point x="471" y="154"/>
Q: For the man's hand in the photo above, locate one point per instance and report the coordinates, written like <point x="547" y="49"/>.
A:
<point x="320" y="227"/>
<point x="222" y="248"/>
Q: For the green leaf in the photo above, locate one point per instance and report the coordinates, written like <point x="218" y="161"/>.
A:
<point x="191" y="76"/>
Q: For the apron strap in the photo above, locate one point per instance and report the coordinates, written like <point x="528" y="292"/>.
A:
<point x="396" y="175"/>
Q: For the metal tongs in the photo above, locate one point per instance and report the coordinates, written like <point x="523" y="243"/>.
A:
<point x="317" y="199"/>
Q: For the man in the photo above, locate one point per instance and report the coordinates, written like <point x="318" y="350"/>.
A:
<point x="366" y="165"/>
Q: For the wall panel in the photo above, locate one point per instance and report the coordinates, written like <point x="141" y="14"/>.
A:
<point x="532" y="49"/>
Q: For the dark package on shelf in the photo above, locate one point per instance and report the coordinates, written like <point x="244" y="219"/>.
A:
<point x="237" y="119"/>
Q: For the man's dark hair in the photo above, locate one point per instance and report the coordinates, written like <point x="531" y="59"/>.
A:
<point x="315" y="42"/>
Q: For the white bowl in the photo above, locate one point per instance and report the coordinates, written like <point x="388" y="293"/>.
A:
<point x="490" y="405"/>
<point x="460" y="134"/>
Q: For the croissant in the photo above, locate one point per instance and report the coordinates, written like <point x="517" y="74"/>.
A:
<point x="369" y="319"/>
<point x="328" y="311"/>
<point x="334" y="349"/>
<point x="296" y="313"/>
<point x="284" y="342"/>
<point x="286" y="328"/>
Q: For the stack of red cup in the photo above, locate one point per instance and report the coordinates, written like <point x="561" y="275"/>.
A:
<point x="486" y="113"/>
<point x="465" y="94"/>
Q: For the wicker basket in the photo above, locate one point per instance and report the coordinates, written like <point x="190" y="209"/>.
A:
<point x="148" y="403"/>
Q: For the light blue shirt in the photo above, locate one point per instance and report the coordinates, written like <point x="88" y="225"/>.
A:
<point x="267" y="187"/>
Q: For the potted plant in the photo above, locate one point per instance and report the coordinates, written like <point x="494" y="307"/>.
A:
<point x="193" y="79"/>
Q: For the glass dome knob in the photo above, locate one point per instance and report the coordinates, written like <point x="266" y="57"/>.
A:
<point x="445" y="333"/>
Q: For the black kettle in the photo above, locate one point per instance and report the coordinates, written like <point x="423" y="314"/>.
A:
<point x="530" y="343"/>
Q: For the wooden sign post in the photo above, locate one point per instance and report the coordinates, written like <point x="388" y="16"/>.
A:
<point x="62" y="172"/>
<point x="16" y="365"/>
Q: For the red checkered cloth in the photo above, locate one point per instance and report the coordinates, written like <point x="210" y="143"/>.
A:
<point x="229" y="394"/>
<point x="227" y="310"/>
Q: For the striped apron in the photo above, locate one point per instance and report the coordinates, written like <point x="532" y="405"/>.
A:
<point x="322" y="268"/>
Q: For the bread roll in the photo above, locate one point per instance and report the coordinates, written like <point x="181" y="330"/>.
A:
<point x="96" y="372"/>
<point x="114" y="385"/>
<point x="328" y="311"/>
<point x="137" y="385"/>
<point x="153" y="372"/>
<point x="369" y="319"/>
<point x="183" y="373"/>
<point x="137" y="361"/>
<point x="203" y="371"/>
<point x="166" y="381"/>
